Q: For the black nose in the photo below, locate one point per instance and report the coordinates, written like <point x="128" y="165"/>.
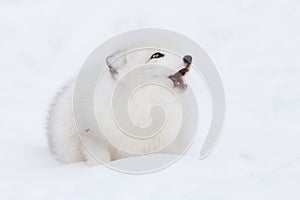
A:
<point x="187" y="59"/>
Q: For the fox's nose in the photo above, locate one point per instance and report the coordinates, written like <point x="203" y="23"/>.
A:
<point x="187" y="59"/>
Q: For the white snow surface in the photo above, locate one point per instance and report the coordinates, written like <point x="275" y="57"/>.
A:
<point x="255" y="46"/>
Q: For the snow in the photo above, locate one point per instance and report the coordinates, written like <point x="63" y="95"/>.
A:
<point x="255" y="46"/>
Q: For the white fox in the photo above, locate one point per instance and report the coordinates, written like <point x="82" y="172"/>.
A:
<point x="63" y="139"/>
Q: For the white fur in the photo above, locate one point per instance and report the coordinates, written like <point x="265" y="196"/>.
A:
<point x="63" y="139"/>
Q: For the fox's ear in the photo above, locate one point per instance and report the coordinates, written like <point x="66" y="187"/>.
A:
<point x="116" y="60"/>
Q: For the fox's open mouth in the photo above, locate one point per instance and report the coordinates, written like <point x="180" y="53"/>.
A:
<point x="177" y="78"/>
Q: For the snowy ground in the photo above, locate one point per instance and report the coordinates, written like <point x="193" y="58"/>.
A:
<point x="255" y="46"/>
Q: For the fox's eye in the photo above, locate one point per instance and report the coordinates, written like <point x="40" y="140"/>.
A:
<point x="157" y="55"/>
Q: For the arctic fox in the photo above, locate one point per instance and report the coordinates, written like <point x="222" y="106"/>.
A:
<point x="63" y="137"/>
